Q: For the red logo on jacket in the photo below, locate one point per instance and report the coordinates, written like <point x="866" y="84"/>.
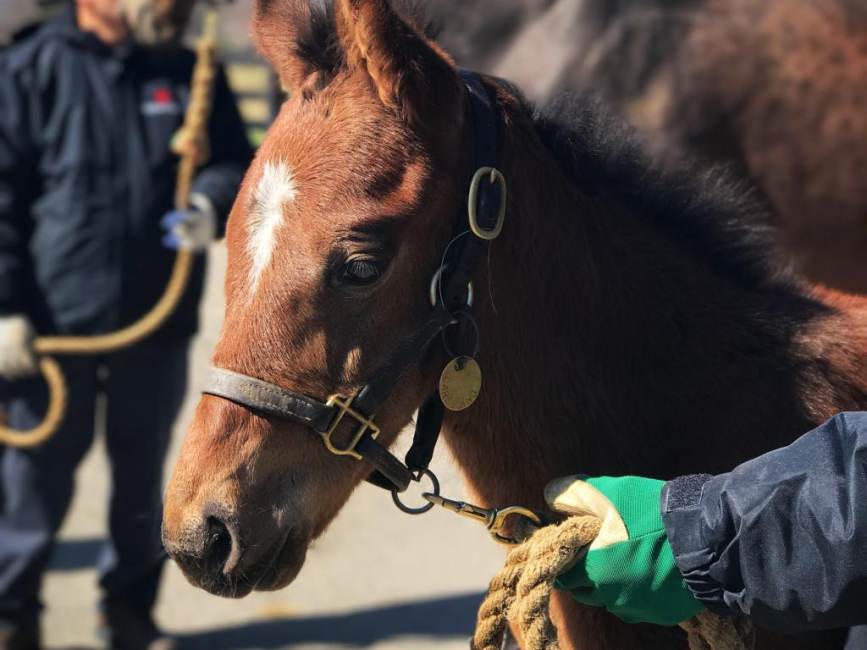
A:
<point x="160" y="100"/>
<point x="162" y="95"/>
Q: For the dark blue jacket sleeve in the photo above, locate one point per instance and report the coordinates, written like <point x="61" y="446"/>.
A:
<point x="15" y="162"/>
<point x="231" y="153"/>
<point x="782" y="538"/>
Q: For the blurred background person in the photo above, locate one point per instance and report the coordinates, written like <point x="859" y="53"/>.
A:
<point x="87" y="174"/>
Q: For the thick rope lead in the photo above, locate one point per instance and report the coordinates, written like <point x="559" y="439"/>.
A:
<point x="92" y="345"/>
<point x="521" y="593"/>
<point x="53" y="376"/>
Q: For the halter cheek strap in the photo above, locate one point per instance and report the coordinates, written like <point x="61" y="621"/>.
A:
<point x="323" y="417"/>
<point x="331" y="418"/>
<point x="269" y="399"/>
<point x="486" y="210"/>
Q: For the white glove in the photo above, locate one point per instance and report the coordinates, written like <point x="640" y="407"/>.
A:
<point x="17" y="360"/>
<point x="192" y="229"/>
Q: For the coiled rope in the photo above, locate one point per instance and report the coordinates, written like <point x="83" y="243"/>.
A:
<point x="192" y="142"/>
<point x="521" y="593"/>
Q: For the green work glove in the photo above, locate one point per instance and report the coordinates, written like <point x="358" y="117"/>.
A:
<point x="629" y="569"/>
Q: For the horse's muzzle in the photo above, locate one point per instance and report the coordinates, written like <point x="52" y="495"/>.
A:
<point x="214" y="556"/>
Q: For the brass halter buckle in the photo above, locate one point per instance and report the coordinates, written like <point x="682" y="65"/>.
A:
<point x="365" y="424"/>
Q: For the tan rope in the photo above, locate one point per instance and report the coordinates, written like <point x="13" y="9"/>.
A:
<point x="53" y="376"/>
<point x="521" y="592"/>
<point x="193" y="135"/>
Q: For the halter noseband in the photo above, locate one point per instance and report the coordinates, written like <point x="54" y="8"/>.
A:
<point x="450" y="294"/>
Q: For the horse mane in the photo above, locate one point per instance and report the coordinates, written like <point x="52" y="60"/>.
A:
<point x="702" y="207"/>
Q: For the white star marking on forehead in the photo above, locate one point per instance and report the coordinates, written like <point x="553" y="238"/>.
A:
<point x="275" y="189"/>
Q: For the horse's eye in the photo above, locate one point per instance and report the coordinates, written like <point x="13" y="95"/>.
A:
<point x="360" y="272"/>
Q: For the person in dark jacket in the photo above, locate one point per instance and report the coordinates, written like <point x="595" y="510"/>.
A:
<point x="780" y="539"/>
<point x="87" y="176"/>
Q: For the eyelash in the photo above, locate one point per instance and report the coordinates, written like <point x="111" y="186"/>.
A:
<point x="360" y="272"/>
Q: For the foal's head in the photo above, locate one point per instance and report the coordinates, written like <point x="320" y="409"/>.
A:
<point x="333" y="241"/>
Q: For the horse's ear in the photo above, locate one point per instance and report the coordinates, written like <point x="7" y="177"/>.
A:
<point x="410" y="72"/>
<point x="294" y="37"/>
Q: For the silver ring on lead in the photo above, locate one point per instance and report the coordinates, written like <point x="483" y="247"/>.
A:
<point x="435" y="484"/>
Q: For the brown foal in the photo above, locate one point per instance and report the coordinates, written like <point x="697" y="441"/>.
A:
<point x="629" y="322"/>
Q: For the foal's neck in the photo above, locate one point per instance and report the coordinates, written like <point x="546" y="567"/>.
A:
<point x="609" y="348"/>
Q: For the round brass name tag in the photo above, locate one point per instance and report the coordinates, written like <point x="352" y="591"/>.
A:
<point x="460" y="383"/>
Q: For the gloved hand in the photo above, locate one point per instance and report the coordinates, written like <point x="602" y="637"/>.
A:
<point x="192" y="229"/>
<point x="630" y="568"/>
<point x="17" y="360"/>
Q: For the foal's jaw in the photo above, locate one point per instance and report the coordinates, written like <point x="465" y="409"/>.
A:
<point x="238" y="511"/>
<point x="248" y="496"/>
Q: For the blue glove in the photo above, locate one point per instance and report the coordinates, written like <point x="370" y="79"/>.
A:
<point x="192" y="229"/>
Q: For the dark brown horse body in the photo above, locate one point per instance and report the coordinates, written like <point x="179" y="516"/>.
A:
<point x="771" y="88"/>
<point x="630" y="322"/>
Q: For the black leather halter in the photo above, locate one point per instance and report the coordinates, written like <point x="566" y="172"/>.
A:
<point x="450" y="294"/>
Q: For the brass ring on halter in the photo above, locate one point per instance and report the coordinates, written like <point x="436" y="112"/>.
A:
<point x="473" y="203"/>
<point x="435" y="484"/>
<point x="435" y="289"/>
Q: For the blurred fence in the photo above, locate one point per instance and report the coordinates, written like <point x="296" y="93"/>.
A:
<point x="257" y="89"/>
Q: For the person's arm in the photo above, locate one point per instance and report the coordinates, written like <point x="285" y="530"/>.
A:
<point x="15" y="162"/>
<point x="782" y="538"/>
<point x="16" y="332"/>
<point x="219" y="179"/>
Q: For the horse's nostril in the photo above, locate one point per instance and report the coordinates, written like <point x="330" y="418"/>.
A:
<point x="218" y="546"/>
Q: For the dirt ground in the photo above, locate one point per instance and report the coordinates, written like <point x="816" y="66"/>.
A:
<point x="377" y="579"/>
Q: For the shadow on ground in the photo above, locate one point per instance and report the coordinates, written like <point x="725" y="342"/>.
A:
<point x="453" y="616"/>
<point x="447" y="617"/>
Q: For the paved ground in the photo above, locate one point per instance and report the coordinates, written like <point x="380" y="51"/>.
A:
<point x="377" y="579"/>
